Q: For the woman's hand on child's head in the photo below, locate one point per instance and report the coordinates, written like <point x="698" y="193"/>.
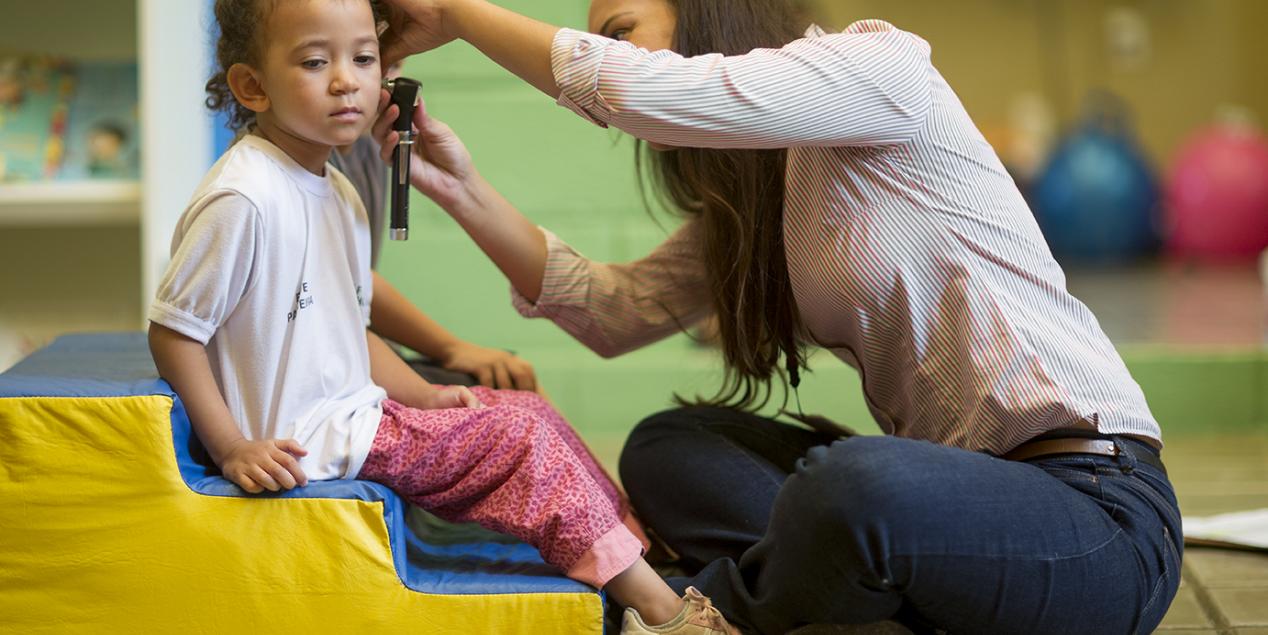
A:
<point x="414" y="26"/>
<point x="270" y="465"/>
<point x="450" y="397"/>
<point x="441" y="167"/>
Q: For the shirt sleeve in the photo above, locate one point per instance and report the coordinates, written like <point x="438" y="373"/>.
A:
<point x="616" y="308"/>
<point x="870" y="85"/>
<point x="212" y="266"/>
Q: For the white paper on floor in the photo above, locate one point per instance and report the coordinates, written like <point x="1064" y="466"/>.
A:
<point x="1239" y="529"/>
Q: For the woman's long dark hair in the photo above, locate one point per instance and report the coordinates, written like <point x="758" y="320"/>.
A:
<point x="737" y="196"/>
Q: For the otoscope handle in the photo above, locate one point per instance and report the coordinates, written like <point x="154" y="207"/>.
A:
<point x="404" y="93"/>
<point x="400" y="190"/>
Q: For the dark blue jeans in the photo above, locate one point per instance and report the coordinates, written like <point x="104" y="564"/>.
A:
<point x="782" y="530"/>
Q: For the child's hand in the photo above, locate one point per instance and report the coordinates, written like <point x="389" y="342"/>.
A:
<point x="270" y="464"/>
<point x="449" y="397"/>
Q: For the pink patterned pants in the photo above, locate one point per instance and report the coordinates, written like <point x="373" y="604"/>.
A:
<point x="516" y="467"/>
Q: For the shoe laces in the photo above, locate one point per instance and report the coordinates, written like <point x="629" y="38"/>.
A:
<point x="707" y="614"/>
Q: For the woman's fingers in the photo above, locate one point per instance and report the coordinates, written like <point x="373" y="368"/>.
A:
<point x="385" y="102"/>
<point x="383" y="132"/>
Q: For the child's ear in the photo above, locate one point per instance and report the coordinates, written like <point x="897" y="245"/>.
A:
<point x="247" y="88"/>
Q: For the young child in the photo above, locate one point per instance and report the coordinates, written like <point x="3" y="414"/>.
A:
<point x="260" y="325"/>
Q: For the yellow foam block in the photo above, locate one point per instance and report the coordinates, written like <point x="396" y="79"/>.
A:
<point x="99" y="534"/>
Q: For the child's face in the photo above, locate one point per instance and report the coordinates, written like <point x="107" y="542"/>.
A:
<point x="321" y="69"/>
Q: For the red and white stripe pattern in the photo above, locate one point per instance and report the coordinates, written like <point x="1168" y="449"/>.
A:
<point x="912" y="254"/>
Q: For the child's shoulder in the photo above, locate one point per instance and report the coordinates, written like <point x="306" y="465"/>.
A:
<point x="341" y="183"/>
<point x="346" y="191"/>
<point x="245" y="170"/>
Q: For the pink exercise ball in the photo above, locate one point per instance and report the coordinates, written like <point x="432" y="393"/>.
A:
<point x="1217" y="195"/>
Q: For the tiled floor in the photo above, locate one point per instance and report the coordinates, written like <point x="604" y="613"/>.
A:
<point x="1222" y="591"/>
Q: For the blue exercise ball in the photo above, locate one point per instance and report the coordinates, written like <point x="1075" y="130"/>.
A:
<point x="1097" y="199"/>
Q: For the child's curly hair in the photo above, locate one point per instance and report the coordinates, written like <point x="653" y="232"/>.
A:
<point x="240" y="41"/>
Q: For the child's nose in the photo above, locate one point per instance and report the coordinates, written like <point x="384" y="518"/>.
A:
<point x="343" y="81"/>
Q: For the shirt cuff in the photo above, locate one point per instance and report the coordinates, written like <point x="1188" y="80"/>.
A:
<point x="183" y="322"/>
<point x="565" y="281"/>
<point x="575" y="59"/>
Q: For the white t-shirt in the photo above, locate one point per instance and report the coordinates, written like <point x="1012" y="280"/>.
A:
<point x="271" y="271"/>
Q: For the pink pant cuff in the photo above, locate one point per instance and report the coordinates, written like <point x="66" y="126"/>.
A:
<point x="611" y="554"/>
<point x="636" y="528"/>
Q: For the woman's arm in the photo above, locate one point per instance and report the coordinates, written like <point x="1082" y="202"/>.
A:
<point x="519" y="44"/>
<point x="442" y="170"/>
<point x="870" y="85"/>
<point x="611" y="309"/>
<point x="616" y="308"/>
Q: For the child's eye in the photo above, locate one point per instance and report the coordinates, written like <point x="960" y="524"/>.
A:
<point x="313" y="64"/>
<point x="365" y="60"/>
<point x="621" y="34"/>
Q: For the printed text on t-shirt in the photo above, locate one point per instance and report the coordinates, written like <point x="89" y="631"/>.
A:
<point x="303" y="300"/>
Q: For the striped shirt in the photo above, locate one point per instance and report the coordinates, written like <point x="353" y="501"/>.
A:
<point x="912" y="255"/>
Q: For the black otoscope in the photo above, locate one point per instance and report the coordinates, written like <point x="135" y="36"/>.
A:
<point x="404" y="93"/>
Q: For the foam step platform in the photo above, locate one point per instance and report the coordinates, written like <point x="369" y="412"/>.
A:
<point x="109" y="523"/>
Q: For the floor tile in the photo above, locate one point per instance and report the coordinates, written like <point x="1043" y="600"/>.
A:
<point x="1242" y="607"/>
<point x="1215" y="474"/>
<point x="1186" y="612"/>
<point x="1224" y="568"/>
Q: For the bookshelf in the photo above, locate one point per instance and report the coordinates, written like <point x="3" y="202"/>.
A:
<point x="60" y="203"/>
<point x="122" y="227"/>
<point x="82" y="31"/>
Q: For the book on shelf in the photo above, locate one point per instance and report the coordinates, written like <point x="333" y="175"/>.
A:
<point x="63" y="120"/>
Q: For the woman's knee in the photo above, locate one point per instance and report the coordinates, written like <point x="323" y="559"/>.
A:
<point x="855" y="482"/>
<point x="646" y="443"/>
<point x="676" y="421"/>
<point x="662" y="449"/>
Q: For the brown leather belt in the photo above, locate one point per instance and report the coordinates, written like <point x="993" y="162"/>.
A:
<point x="1101" y="447"/>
